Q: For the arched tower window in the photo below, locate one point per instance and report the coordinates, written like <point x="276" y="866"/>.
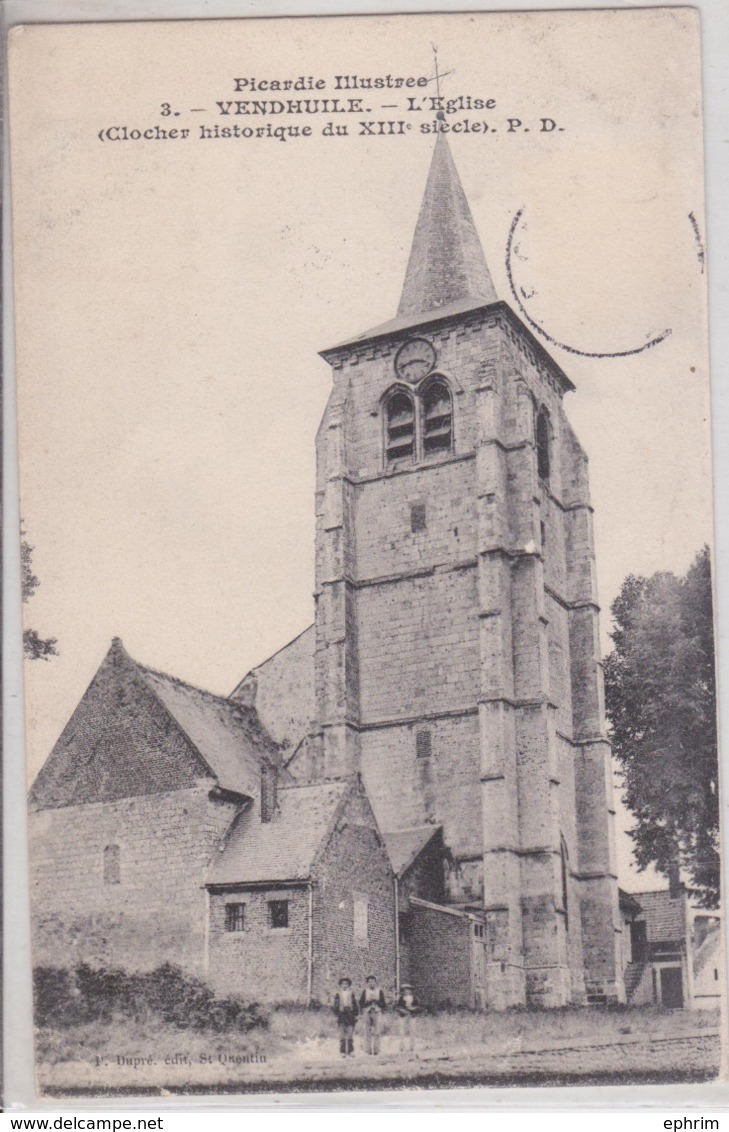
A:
<point x="400" y="426"/>
<point x="112" y="864"/>
<point x="542" y="431"/>
<point x="437" y="418"/>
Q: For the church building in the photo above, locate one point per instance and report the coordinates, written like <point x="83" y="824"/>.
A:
<point x="449" y="692"/>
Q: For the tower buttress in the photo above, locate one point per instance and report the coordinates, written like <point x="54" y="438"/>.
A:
<point x="457" y="663"/>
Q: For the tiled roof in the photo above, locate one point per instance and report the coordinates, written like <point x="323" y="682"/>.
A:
<point x="137" y="732"/>
<point x="664" y="914"/>
<point x="404" y="845"/>
<point x="627" y="902"/>
<point x="284" y="848"/>
<point x="227" y="735"/>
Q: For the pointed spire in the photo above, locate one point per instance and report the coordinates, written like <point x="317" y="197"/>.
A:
<point x="447" y="265"/>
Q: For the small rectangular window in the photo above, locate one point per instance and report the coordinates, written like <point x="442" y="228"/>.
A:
<point x="278" y="913"/>
<point x="361" y="919"/>
<point x="417" y="517"/>
<point x="235" y="917"/>
<point x="423" y="744"/>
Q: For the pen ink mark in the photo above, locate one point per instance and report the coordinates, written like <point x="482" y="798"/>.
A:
<point x="514" y="251"/>
<point x="700" y="253"/>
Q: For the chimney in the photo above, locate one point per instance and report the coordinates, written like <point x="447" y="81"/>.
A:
<point x="675" y="887"/>
<point x="269" y="791"/>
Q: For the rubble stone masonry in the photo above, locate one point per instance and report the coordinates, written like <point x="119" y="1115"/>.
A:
<point x="480" y="627"/>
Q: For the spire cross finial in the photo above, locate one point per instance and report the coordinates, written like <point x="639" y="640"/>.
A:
<point x="438" y="75"/>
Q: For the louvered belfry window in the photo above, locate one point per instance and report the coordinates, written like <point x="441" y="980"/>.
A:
<point x="400" y="427"/>
<point x="437" y="418"/>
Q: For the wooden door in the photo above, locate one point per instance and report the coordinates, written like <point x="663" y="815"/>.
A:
<point x="671" y="987"/>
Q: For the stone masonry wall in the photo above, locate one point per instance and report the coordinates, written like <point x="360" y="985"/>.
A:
<point x="486" y="617"/>
<point x="439" y="957"/>
<point x="282" y="691"/>
<point x="156" y="913"/>
<point x="353" y="869"/>
<point x="409" y="790"/>
<point x="260" y="963"/>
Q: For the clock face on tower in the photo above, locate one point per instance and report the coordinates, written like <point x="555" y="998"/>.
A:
<point x="414" y="360"/>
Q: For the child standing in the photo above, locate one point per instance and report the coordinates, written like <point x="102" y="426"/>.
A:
<point x="406" y="1007"/>
<point x="372" y="1005"/>
<point x="346" y="1011"/>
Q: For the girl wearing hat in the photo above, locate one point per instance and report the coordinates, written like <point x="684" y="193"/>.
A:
<point x="346" y="1011"/>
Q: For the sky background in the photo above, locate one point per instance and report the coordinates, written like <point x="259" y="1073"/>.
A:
<point x="172" y="299"/>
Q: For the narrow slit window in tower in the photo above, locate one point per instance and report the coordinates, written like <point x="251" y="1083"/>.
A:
<point x="542" y="436"/>
<point x="417" y="517"/>
<point x="112" y="864"/>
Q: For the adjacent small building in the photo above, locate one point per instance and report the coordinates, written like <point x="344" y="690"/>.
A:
<point x="301" y="893"/>
<point x="673" y="954"/>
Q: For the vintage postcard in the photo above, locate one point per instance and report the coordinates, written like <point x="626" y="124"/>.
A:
<point x="366" y="534"/>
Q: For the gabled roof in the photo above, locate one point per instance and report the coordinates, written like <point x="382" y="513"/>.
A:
<point x="137" y="732"/>
<point x="228" y="735"/>
<point x="664" y="914"/>
<point x="405" y="845"/>
<point x="283" y="849"/>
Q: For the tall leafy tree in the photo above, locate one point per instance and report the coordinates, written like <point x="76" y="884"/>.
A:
<point x="660" y="695"/>
<point x="34" y="646"/>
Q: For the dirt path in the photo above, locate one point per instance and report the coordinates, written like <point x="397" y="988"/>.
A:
<point x="317" y="1066"/>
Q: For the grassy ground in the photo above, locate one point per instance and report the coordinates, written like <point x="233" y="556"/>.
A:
<point x="511" y="1029"/>
<point x="301" y="1045"/>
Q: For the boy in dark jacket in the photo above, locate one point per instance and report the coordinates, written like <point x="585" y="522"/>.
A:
<point x="346" y="1011"/>
<point x="372" y="1005"/>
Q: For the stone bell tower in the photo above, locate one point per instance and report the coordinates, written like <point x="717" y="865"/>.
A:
<point x="457" y="647"/>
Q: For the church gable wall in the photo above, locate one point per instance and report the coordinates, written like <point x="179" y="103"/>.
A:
<point x="354" y="905"/>
<point x="120" y="884"/>
<point x="119" y="743"/>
